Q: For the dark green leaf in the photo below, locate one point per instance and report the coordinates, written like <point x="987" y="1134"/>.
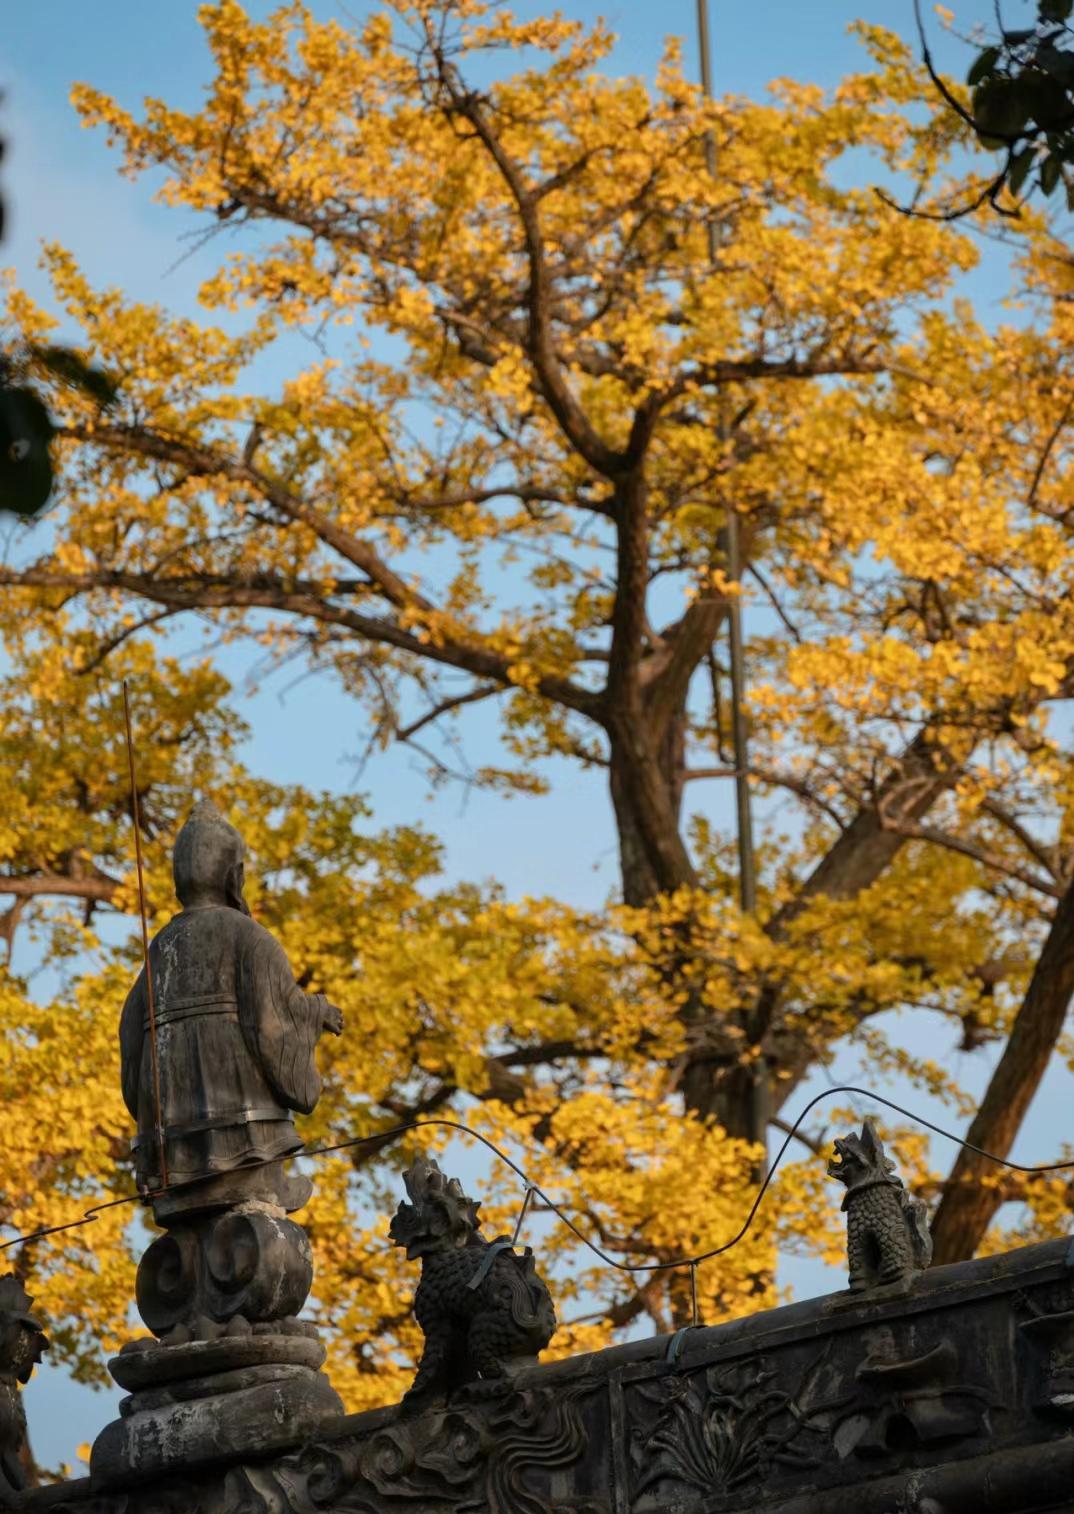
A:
<point x="1001" y="107"/>
<point x="1057" y="62"/>
<point x="1048" y="101"/>
<point x="1021" y="163"/>
<point x="25" y="464"/>
<point x="71" y="369"/>
<point x="983" y="65"/>
<point x="1049" y="173"/>
<point x="1055" y="10"/>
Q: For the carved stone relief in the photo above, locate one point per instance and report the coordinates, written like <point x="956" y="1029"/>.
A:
<point x="905" y="1401"/>
<point x="720" y="1431"/>
<point x="1049" y="1333"/>
<point x="491" y="1458"/>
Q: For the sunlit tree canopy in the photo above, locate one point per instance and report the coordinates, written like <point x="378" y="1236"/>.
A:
<point x="500" y="473"/>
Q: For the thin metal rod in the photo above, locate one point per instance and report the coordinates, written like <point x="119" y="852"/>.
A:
<point x="153" y="1056"/>
<point x="693" y="1293"/>
<point x="522" y="1214"/>
<point x="747" y="873"/>
<point x="747" y="868"/>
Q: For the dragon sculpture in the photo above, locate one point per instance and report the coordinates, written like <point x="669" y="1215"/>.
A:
<point x="888" y="1236"/>
<point x="481" y="1306"/>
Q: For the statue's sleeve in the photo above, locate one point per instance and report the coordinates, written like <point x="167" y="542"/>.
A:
<point x="280" y="1024"/>
<point x="131" y="1041"/>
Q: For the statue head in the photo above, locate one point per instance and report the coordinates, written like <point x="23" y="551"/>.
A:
<point x="207" y="862"/>
<point x="861" y="1159"/>
<point x="439" y="1218"/>
<point x="22" y="1337"/>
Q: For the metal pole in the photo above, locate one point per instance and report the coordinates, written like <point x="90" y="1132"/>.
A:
<point x="150" y="1003"/>
<point x="747" y="873"/>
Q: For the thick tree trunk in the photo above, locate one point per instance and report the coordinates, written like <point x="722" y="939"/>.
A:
<point x="646" y="789"/>
<point x="713" y="1084"/>
<point x="966" y="1208"/>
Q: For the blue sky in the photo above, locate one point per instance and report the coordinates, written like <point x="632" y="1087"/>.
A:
<point x="60" y="182"/>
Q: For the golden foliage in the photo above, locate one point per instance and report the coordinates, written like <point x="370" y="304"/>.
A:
<point x="536" y="401"/>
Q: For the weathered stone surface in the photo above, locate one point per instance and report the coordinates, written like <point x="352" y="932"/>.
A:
<point x="481" y="1306"/>
<point x="197" y="1359"/>
<point x="232" y="1423"/>
<point x="244" y="1261"/>
<point x="217" y="1045"/>
<point x="951" y="1398"/>
<point x="217" y="1042"/>
<point x="22" y="1341"/>
<point x="888" y="1238"/>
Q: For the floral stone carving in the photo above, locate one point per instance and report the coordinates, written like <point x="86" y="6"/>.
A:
<point x="721" y="1432"/>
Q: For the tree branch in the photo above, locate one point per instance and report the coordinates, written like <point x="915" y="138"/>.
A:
<point x="301" y="600"/>
<point x="571" y="418"/>
<point x="914" y="831"/>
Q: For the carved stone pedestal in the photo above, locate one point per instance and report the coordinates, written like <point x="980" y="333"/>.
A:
<point x="234" y="1372"/>
<point x="212" y="1400"/>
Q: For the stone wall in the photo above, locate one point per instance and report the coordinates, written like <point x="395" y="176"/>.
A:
<point x="954" y="1397"/>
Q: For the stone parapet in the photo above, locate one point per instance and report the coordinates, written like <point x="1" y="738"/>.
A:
<point x="954" y="1396"/>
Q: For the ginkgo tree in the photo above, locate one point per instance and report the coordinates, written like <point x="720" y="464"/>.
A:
<point x="506" y="479"/>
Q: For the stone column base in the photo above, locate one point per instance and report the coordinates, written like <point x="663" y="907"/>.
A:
<point x="210" y="1401"/>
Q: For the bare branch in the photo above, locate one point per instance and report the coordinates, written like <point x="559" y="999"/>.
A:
<point x="915" y="831"/>
<point x="572" y="419"/>
<point x="483" y="691"/>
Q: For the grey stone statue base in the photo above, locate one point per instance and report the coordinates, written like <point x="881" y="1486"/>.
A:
<point x="213" y="1400"/>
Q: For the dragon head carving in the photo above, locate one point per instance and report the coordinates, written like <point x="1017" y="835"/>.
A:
<point x="22" y="1337"/>
<point x="439" y="1217"/>
<point x="861" y="1159"/>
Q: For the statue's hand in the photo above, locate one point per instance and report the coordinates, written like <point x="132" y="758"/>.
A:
<point x="333" y="1020"/>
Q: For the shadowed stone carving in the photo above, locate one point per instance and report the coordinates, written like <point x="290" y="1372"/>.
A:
<point x="888" y="1238"/>
<point x="232" y="1369"/>
<point x="926" y="1402"/>
<point x="907" y="1400"/>
<point x="482" y="1307"/>
<point x="22" y="1342"/>
<point x="721" y="1432"/>
<point x="499" y="1457"/>
<point x="1050" y="1332"/>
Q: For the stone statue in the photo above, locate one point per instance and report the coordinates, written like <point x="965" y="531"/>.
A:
<point x="22" y="1340"/>
<point x="482" y="1308"/>
<point x="888" y="1238"/>
<point x="233" y="1367"/>
<point x="235" y="1037"/>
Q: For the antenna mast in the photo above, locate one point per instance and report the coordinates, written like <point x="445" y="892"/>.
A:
<point x="154" y="1058"/>
<point x="747" y="873"/>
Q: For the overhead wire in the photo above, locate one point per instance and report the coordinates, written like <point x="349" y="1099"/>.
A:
<point x="534" y="1190"/>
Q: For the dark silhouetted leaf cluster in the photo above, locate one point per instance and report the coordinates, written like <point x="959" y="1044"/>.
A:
<point x="1023" y="102"/>
<point x="25" y="427"/>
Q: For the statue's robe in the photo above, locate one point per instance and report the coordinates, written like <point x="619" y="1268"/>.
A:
<point x="235" y="1048"/>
